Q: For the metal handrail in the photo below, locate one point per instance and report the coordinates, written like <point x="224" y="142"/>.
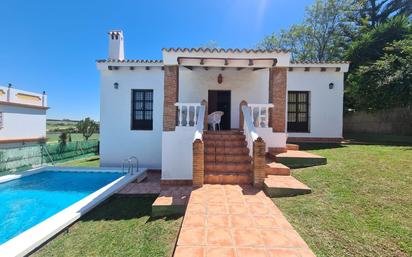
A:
<point x="131" y="163"/>
<point x="128" y="165"/>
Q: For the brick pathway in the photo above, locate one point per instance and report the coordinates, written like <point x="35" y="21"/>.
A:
<point x="233" y="220"/>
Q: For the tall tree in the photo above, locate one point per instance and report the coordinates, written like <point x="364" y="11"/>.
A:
<point x="370" y="13"/>
<point x="319" y="37"/>
<point x="87" y="127"/>
<point x="387" y="82"/>
<point x="370" y="45"/>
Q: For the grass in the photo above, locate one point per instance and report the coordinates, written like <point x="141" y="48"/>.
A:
<point x="379" y="139"/>
<point x="53" y="137"/>
<point x="93" y="161"/>
<point x="361" y="202"/>
<point x="121" y="226"/>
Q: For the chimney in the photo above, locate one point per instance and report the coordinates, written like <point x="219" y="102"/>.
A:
<point x="116" y="47"/>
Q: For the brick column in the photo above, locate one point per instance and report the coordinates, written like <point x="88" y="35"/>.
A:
<point x="241" y="118"/>
<point x="277" y="96"/>
<point x="198" y="163"/>
<point x="259" y="162"/>
<point x="171" y="95"/>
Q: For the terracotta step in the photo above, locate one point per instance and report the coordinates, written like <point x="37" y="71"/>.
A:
<point x="223" y="137"/>
<point x="228" y="166"/>
<point x="279" y="186"/>
<point x="275" y="168"/>
<point x="277" y="150"/>
<point x="294" y="147"/>
<point x="228" y="178"/>
<point x="222" y="143"/>
<point x="223" y="132"/>
<point x="226" y="150"/>
<point x="227" y="158"/>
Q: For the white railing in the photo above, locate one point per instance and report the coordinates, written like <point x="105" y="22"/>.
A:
<point x="249" y="128"/>
<point x="187" y="114"/>
<point x="12" y="95"/>
<point x="261" y="119"/>
<point x="200" y="123"/>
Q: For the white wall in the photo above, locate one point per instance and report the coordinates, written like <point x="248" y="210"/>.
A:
<point x="117" y="140"/>
<point x="326" y="105"/>
<point x="22" y="122"/>
<point x="252" y="86"/>
<point x="177" y="153"/>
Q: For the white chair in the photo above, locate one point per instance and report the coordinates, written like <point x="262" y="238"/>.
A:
<point x="214" y="119"/>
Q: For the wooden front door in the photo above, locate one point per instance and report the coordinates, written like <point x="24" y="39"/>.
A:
<point x="219" y="100"/>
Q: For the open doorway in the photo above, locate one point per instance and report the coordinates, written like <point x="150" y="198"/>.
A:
<point x="219" y="100"/>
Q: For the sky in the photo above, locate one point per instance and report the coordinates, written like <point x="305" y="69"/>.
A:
<point x="53" y="45"/>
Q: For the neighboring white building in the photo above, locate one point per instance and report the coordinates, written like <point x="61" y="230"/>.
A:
<point x="144" y="103"/>
<point x="22" y="117"/>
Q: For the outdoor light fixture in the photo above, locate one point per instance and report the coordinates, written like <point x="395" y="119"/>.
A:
<point x="220" y="79"/>
<point x="116" y="85"/>
<point x="331" y="85"/>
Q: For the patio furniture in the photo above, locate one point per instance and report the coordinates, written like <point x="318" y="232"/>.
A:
<point x="214" y="119"/>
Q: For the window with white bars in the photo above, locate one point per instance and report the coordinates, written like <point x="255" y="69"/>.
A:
<point x="298" y="111"/>
<point x="142" y="109"/>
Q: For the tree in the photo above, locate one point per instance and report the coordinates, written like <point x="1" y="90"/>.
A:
<point x="320" y="37"/>
<point x="63" y="138"/>
<point x="87" y="127"/>
<point x="370" y="46"/>
<point x="387" y="82"/>
<point x="371" y="13"/>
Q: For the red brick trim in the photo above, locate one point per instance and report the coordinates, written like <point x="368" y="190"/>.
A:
<point x="176" y="182"/>
<point x="277" y="96"/>
<point x="22" y="140"/>
<point x="25" y="105"/>
<point x="171" y="96"/>
<point x="314" y="139"/>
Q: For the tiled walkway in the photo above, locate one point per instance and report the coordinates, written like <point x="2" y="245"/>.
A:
<point x="232" y="220"/>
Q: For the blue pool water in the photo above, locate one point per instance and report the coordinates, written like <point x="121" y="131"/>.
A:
<point x="30" y="200"/>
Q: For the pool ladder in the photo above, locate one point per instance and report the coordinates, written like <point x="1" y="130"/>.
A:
<point x="130" y="165"/>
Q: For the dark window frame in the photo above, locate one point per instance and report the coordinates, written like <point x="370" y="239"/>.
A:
<point x="297" y="126"/>
<point x="146" y="121"/>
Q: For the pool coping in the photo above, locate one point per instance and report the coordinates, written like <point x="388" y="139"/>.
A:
<point x="24" y="243"/>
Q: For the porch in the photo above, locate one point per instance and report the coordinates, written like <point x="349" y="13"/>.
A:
<point x="249" y="88"/>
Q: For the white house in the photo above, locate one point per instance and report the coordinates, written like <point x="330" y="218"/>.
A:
<point x="145" y="106"/>
<point x="22" y="117"/>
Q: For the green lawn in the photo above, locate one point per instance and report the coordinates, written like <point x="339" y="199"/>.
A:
<point x="93" y="161"/>
<point x="361" y="203"/>
<point x="121" y="226"/>
<point x="53" y="137"/>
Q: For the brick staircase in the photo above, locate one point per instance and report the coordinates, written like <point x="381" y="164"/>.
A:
<point x="227" y="159"/>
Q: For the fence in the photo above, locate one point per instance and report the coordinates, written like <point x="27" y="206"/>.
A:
<point x="396" y="121"/>
<point x="16" y="159"/>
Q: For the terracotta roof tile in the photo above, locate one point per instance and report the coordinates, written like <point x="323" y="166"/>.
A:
<point x="320" y="62"/>
<point x="129" y="61"/>
<point x="222" y="50"/>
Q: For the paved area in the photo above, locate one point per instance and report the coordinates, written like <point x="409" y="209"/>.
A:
<point x="298" y="154"/>
<point x="233" y="220"/>
<point x="151" y="185"/>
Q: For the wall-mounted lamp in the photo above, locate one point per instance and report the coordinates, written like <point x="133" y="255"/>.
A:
<point x="116" y="85"/>
<point x="220" y="79"/>
<point x="331" y="85"/>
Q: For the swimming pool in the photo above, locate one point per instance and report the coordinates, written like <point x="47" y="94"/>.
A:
<point x="36" y="206"/>
<point x="28" y="201"/>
